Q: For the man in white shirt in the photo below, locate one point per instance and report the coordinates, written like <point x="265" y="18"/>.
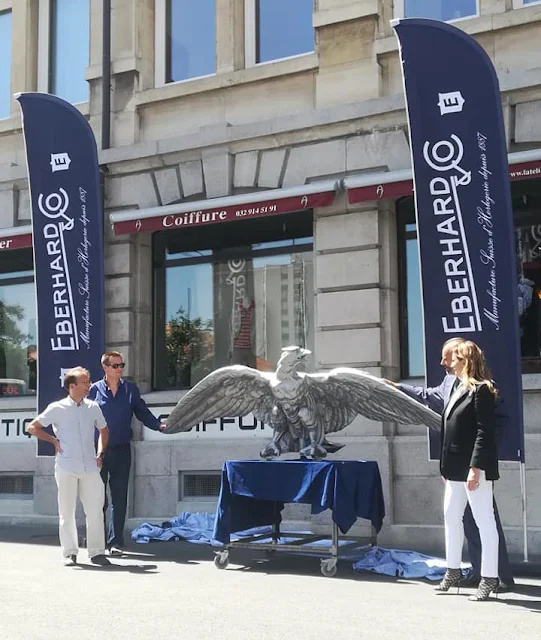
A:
<point x="77" y="467"/>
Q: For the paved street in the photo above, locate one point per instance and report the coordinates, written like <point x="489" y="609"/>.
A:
<point x="173" y="590"/>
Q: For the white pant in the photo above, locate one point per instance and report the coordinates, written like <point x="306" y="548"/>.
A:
<point x="90" y="488"/>
<point x="481" y="503"/>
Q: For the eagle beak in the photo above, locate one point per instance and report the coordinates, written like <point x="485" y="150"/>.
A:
<point x="305" y="352"/>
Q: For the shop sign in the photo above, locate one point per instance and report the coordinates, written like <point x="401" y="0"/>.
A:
<point x="13" y="427"/>
<point x="220" y="428"/>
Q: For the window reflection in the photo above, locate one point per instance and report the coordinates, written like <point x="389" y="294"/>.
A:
<point x="18" y="353"/>
<point x="414" y="310"/>
<point x="284" y="28"/>
<point x="5" y="64"/>
<point x="70" y="49"/>
<point x="440" y="9"/>
<point x="234" y="304"/>
<point x="191" y="39"/>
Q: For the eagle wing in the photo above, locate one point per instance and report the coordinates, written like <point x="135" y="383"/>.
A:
<point x="335" y="398"/>
<point x="228" y="391"/>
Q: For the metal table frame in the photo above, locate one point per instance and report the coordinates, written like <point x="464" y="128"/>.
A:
<point x="302" y="544"/>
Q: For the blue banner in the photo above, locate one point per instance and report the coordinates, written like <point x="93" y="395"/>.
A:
<point x="67" y="227"/>
<point x="463" y="207"/>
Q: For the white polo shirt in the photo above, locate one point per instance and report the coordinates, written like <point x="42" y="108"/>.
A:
<point x="74" y="427"/>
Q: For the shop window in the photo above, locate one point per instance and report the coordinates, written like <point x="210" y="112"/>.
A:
<point x="277" y="29"/>
<point x="5" y="65"/>
<point x="445" y="10"/>
<point x="18" y="353"/>
<point x="526" y="198"/>
<point x="234" y="293"/>
<point x="517" y="4"/>
<point x="64" y="48"/>
<point x="190" y="40"/>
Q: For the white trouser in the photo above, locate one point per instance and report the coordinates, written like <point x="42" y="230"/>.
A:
<point x="481" y="503"/>
<point x="90" y="488"/>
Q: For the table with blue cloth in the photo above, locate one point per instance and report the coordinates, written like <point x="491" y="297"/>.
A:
<point x="253" y="492"/>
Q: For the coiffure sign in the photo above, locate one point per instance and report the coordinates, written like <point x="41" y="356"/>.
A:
<point x="220" y="428"/>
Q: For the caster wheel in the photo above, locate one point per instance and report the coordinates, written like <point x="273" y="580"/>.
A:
<point x="328" y="568"/>
<point x="221" y="561"/>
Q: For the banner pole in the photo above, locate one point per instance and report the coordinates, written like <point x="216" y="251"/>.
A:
<point x="524" y="509"/>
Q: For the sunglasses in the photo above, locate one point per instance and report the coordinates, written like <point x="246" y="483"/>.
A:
<point x="120" y="365"/>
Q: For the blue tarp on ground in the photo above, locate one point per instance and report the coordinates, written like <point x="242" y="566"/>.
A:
<point x="401" y="563"/>
<point x="192" y="527"/>
<point x="198" y="528"/>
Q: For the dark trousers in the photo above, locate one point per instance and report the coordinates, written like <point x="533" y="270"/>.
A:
<point x="474" y="546"/>
<point x="116" y="471"/>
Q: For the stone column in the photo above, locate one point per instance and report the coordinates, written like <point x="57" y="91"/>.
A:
<point x="229" y="35"/>
<point x="348" y="67"/>
<point x="24" y="48"/>
<point x="132" y="64"/>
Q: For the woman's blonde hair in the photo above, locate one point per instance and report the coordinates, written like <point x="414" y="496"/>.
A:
<point x="476" y="371"/>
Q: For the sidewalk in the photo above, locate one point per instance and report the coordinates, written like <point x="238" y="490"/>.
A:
<point x="44" y="530"/>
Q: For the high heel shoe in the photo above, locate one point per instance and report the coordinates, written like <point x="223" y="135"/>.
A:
<point x="486" y="587"/>
<point x="452" y="578"/>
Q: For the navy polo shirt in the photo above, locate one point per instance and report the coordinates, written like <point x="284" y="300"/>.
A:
<point x="118" y="410"/>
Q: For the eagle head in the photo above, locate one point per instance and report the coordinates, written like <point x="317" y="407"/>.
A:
<point x="292" y="360"/>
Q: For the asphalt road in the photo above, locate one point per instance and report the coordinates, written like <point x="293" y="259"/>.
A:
<point x="173" y="590"/>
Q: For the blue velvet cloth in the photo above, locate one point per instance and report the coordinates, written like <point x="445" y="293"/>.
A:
<point x="253" y="492"/>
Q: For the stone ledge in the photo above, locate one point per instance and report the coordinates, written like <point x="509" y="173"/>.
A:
<point x="121" y="65"/>
<point x="362" y="9"/>
<point x="477" y="25"/>
<point x="294" y="65"/>
<point x="220" y="135"/>
<point x="12" y="124"/>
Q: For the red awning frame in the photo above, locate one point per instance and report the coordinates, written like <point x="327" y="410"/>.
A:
<point x="15" y="238"/>
<point x="523" y="165"/>
<point x="217" y="210"/>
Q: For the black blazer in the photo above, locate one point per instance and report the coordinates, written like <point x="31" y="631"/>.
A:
<point x="468" y="437"/>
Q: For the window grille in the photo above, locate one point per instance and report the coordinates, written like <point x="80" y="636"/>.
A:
<point x="197" y="486"/>
<point x="16" y="485"/>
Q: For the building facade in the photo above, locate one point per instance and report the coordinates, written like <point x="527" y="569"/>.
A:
<point x="257" y="194"/>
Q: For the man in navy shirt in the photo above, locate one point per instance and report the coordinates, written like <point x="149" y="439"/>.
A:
<point x="119" y="401"/>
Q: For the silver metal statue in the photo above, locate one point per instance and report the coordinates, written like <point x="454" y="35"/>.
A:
<point x="300" y="407"/>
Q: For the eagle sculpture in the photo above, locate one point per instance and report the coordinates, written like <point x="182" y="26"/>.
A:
<point x="301" y="408"/>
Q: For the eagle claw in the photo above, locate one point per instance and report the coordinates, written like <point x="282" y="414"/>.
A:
<point x="270" y="451"/>
<point x="313" y="451"/>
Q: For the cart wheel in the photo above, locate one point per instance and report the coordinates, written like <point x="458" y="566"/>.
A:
<point x="221" y="559"/>
<point x="328" y="568"/>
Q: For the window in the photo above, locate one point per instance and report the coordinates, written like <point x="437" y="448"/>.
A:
<point x="437" y="9"/>
<point x="5" y="65"/>
<point x="64" y="48"/>
<point x="191" y="39"/>
<point x="278" y="29"/>
<point x="18" y="354"/>
<point x="526" y="197"/>
<point x="236" y="294"/>
<point x="523" y="3"/>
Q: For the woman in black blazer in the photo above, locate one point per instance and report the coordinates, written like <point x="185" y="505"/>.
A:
<point x="469" y="466"/>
